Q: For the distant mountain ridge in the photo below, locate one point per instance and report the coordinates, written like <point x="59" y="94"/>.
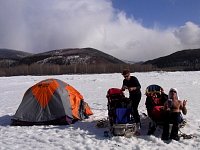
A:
<point x="181" y="60"/>
<point x="13" y="54"/>
<point x="61" y="57"/>
<point x="185" y="60"/>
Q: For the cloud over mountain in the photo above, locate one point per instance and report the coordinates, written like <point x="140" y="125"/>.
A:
<point x="36" y="26"/>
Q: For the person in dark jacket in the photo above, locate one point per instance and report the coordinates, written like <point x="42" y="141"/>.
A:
<point x="132" y="84"/>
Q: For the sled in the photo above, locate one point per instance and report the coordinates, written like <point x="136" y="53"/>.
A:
<point x="121" y="122"/>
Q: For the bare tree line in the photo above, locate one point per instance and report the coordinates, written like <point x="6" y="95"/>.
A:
<point x="50" y="69"/>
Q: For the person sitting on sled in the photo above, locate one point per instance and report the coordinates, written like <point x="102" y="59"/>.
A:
<point x="132" y="84"/>
<point x="173" y="107"/>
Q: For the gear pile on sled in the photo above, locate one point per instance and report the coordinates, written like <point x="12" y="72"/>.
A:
<point x="121" y="122"/>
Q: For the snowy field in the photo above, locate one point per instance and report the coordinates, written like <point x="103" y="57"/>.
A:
<point x="84" y="134"/>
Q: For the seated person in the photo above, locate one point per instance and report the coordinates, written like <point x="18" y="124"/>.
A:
<point x="173" y="107"/>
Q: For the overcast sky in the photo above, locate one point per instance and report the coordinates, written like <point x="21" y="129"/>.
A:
<point x="129" y="30"/>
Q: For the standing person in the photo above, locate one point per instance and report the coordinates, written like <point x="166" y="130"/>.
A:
<point x="173" y="107"/>
<point x="132" y="84"/>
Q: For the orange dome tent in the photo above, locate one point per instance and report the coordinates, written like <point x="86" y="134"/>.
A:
<point x="51" y="101"/>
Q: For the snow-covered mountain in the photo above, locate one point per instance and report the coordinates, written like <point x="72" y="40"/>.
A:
<point x="71" y="56"/>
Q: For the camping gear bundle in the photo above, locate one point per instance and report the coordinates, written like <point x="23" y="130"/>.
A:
<point x="119" y="113"/>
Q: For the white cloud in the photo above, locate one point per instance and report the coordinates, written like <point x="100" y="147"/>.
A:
<point x="189" y="35"/>
<point x="52" y="24"/>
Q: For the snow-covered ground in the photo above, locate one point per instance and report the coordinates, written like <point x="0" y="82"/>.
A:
<point x="84" y="134"/>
